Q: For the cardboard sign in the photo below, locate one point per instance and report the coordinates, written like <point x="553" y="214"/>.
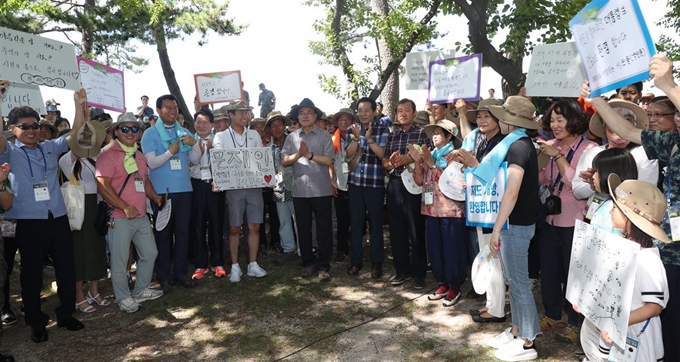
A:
<point x="18" y="95"/>
<point x="105" y="86"/>
<point x="242" y="168"/>
<point x="31" y="59"/>
<point x="602" y="278"/>
<point x="455" y="78"/>
<point x="555" y="71"/>
<point x="218" y="87"/>
<point x="417" y="66"/>
<point x="614" y="43"/>
<point x="483" y="203"/>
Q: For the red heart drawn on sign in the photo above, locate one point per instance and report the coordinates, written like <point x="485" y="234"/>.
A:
<point x="267" y="178"/>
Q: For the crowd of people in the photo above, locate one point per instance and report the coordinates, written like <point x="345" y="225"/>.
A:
<point x="612" y="163"/>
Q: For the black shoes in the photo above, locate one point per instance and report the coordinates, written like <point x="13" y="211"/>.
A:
<point x="6" y="358"/>
<point x="354" y="269"/>
<point x="7" y="318"/>
<point x="71" y="324"/>
<point x="184" y="281"/>
<point x="376" y="270"/>
<point x="166" y="286"/>
<point x="39" y="334"/>
<point x="479" y="319"/>
<point x="418" y="283"/>
<point x="399" y="279"/>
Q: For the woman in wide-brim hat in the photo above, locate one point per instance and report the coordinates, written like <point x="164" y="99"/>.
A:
<point x="444" y="217"/>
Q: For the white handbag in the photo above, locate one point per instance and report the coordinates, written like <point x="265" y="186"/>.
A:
<point x="74" y="199"/>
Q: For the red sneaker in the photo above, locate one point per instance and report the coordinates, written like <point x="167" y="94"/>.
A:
<point x="439" y="293"/>
<point x="198" y="273"/>
<point x="220" y="272"/>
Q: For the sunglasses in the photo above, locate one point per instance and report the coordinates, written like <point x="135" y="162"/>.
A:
<point x="26" y="126"/>
<point x="126" y="129"/>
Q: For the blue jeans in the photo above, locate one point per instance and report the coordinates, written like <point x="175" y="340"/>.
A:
<point x="447" y="248"/>
<point x="361" y="200"/>
<point x="286" y="214"/>
<point x="515" y="258"/>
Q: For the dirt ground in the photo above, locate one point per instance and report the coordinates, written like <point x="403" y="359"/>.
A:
<point x="281" y="317"/>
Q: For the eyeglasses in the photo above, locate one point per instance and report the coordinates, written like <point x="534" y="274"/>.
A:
<point x="650" y="115"/>
<point x="26" y="126"/>
<point x="126" y="129"/>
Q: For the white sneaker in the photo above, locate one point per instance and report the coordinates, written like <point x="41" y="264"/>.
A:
<point x="515" y="351"/>
<point x="128" y="305"/>
<point x="501" y="340"/>
<point x="236" y="273"/>
<point x="147" y="294"/>
<point x="254" y="270"/>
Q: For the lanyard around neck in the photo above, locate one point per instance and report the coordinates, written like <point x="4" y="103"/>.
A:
<point x="233" y="140"/>
<point x="29" y="161"/>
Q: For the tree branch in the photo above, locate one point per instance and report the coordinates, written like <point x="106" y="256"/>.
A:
<point x="56" y="28"/>
<point x="340" y="51"/>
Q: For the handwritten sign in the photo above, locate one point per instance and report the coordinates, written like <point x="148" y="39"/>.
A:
<point x="105" y="86"/>
<point x="601" y="278"/>
<point x="452" y="180"/>
<point x="614" y="43"/>
<point x="455" y="78"/>
<point x="19" y="95"/>
<point x="218" y="87"/>
<point x="418" y="67"/>
<point x="482" y="203"/>
<point x="31" y="59"/>
<point x="555" y="70"/>
<point x="242" y="168"/>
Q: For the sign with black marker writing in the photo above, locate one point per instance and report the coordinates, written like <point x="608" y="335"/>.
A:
<point x="455" y="78"/>
<point x="19" y="95"/>
<point x="555" y="71"/>
<point x="242" y="168"/>
<point x="218" y="87"/>
<point x="483" y="202"/>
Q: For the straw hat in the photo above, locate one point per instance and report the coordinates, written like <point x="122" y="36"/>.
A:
<point x="49" y="125"/>
<point x="516" y="111"/>
<point x="483" y="105"/>
<point x="342" y="111"/>
<point x="87" y="141"/>
<point x="306" y="103"/>
<point x="596" y="125"/>
<point x="238" y="104"/>
<point x="257" y="121"/>
<point x="447" y="126"/>
<point x="642" y="203"/>
<point x="274" y="115"/>
<point x="422" y="118"/>
<point x="220" y="113"/>
<point x="127" y="118"/>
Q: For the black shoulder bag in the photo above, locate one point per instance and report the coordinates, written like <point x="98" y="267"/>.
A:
<point x="553" y="203"/>
<point x="102" y="223"/>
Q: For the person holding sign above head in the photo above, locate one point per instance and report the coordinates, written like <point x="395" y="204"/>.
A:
<point x="447" y="242"/>
<point x="310" y="151"/>
<point x="169" y="148"/>
<point x="638" y="210"/>
<point x="243" y="201"/>
<point x="42" y="224"/>
<point x="631" y="93"/>
<point x="660" y="146"/>
<point x="518" y="209"/>
<point x="366" y="185"/>
<point x="407" y="225"/>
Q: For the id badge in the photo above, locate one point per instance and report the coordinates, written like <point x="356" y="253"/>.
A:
<point x="175" y="164"/>
<point x="41" y="192"/>
<point x="205" y="173"/>
<point x="345" y="167"/>
<point x="674" y="221"/>
<point x="429" y="196"/>
<point x="139" y="185"/>
<point x="627" y="354"/>
<point x="592" y="208"/>
<point x="9" y="228"/>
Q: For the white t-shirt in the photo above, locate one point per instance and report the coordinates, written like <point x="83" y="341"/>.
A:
<point x="87" y="177"/>
<point x="231" y="139"/>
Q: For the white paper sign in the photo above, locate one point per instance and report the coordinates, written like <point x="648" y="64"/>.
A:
<point x="452" y="180"/>
<point x="104" y="85"/>
<point x="163" y="216"/>
<point x="19" y="95"/>
<point x="31" y="59"/>
<point x="456" y="78"/>
<point x="242" y="168"/>
<point x="482" y="203"/>
<point x="602" y="277"/>
<point x="418" y="67"/>
<point x="614" y="43"/>
<point x="555" y="71"/>
<point x="218" y="87"/>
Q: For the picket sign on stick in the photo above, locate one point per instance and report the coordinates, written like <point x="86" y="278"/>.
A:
<point x="242" y="168"/>
<point x="218" y="87"/>
<point x="19" y="95"/>
<point x="455" y="78"/>
<point x="417" y="66"/>
<point x="614" y="43"/>
<point x="483" y="202"/>
<point x="31" y="59"/>
<point x="555" y="71"/>
<point x="105" y="86"/>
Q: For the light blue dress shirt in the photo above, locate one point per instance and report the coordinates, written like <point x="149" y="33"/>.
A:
<point x="164" y="178"/>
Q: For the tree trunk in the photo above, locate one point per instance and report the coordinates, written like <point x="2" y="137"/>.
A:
<point x="341" y="53"/>
<point x="390" y="93"/>
<point x="88" y="30"/>
<point x="169" y="74"/>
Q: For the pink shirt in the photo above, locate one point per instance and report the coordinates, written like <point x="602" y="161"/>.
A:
<point x="572" y="208"/>
<point x="110" y="164"/>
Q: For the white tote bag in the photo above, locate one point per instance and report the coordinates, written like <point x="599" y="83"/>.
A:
<point x="74" y="198"/>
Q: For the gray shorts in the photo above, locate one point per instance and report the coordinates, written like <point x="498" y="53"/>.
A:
<point x="248" y="201"/>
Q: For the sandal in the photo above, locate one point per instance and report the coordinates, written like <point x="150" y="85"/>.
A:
<point x="88" y="309"/>
<point x="92" y="299"/>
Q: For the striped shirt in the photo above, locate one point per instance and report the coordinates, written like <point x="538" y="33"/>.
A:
<point x="369" y="171"/>
<point x="397" y="141"/>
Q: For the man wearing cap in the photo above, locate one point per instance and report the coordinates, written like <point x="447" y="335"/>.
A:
<point x="283" y="196"/>
<point x="407" y="225"/>
<point x="144" y="111"/>
<point x="310" y="151"/>
<point x="243" y="201"/>
<point x="646" y="100"/>
<point x="222" y="121"/>
<point x="122" y="180"/>
<point x="168" y="149"/>
<point x="42" y="225"/>
<point x="52" y="112"/>
<point x="267" y="101"/>
<point x="47" y="131"/>
<point x="366" y="186"/>
<point x="207" y="206"/>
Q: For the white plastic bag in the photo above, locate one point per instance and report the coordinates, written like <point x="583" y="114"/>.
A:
<point x="74" y="198"/>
